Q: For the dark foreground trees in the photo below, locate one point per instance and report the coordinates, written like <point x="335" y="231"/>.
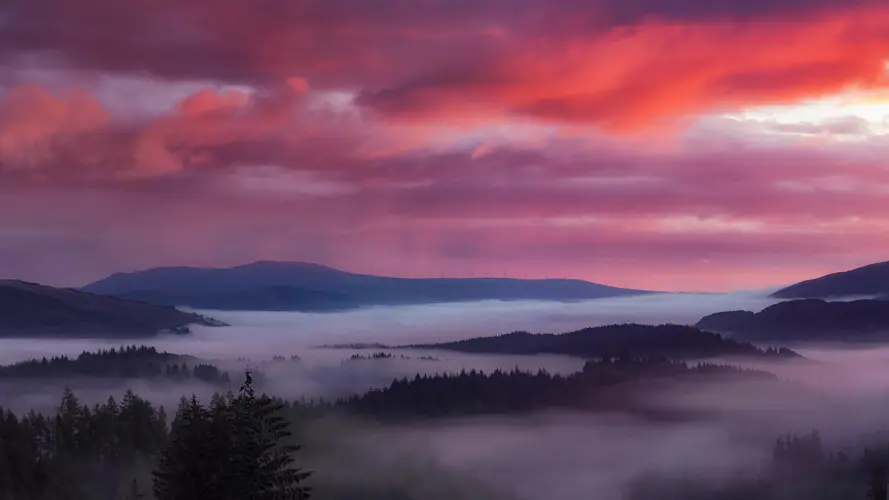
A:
<point x="80" y="452"/>
<point x="235" y="449"/>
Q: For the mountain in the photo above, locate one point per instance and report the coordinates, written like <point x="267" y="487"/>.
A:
<point x="868" y="280"/>
<point x="28" y="309"/>
<point x="302" y="286"/>
<point x="272" y="298"/>
<point x="805" y="320"/>
<point x="636" y="341"/>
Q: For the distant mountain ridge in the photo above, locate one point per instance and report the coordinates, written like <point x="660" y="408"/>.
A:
<point x="806" y="320"/>
<point x="29" y="309"/>
<point x="633" y="340"/>
<point x="868" y="280"/>
<point x="269" y="285"/>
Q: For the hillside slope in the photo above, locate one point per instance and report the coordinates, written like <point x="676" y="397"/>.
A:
<point x="863" y="281"/>
<point x="806" y="320"/>
<point x="29" y="309"/>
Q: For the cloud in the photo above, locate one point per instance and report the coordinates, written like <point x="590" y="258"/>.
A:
<point x="655" y="71"/>
<point x="234" y="176"/>
<point x="440" y="136"/>
<point x="616" y="64"/>
<point x="36" y="125"/>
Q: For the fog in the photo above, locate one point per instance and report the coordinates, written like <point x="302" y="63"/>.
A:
<point x="844" y="393"/>
<point x="564" y="456"/>
<point x="264" y="334"/>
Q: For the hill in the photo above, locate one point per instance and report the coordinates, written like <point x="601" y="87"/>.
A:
<point x="671" y="341"/>
<point x="127" y="362"/>
<point x="804" y="320"/>
<point x="28" y="309"/>
<point x="863" y="281"/>
<point x="311" y="287"/>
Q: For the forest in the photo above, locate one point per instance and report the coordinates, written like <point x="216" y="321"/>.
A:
<point x="127" y="362"/>
<point x="602" y="385"/>
<point x="240" y="446"/>
<point x="234" y="448"/>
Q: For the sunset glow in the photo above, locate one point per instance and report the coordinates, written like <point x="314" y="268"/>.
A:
<point x="650" y="144"/>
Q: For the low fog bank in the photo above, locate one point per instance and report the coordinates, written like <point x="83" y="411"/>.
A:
<point x="264" y="334"/>
<point x="842" y="392"/>
<point x="556" y="456"/>
<point x="447" y="322"/>
<point x="323" y="373"/>
<point x="545" y="457"/>
<point x="565" y="456"/>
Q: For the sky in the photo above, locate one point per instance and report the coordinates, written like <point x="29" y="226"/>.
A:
<point x="658" y="144"/>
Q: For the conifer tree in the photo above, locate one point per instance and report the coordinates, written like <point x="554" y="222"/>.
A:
<point x="265" y="460"/>
<point x="183" y="470"/>
<point x="234" y="450"/>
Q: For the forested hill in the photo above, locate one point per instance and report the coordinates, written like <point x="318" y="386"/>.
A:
<point x="868" y="280"/>
<point x="602" y="385"/>
<point x="806" y="320"/>
<point x="32" y="310"/>
<point x="633" y="340"/>
<point x="124" y="363"/>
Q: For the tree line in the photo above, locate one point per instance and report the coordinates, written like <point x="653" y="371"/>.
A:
<point x="674" y="341"/>
<point x="235" y="448"/>
<point x="239" y="446"/>
<point x="125" y="362"/>
<point x="517" y="391"/>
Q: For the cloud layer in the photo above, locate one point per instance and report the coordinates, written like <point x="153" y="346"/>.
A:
<point x="613" y="141"/>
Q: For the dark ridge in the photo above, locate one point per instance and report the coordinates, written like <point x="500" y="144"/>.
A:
<point x="869" y="280"/>
<point x="672" y="341"/>
<point x="806" y="319"/>
<point x="29" y="310"/>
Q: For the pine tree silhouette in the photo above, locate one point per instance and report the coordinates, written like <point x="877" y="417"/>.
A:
<point x="235" y="450"/>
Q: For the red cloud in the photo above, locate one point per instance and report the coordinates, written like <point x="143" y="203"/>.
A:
<point x="272" y="170"/>
<point x="631" y="76"/>
<point x="615" y="63"/>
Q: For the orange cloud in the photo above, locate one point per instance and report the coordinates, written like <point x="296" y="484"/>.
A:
<point x="475" y="139"/>
<point x="614" y="63"/>
<point x="631" y="77"/>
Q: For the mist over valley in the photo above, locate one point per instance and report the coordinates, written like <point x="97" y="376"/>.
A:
<point x="619" y="426"/>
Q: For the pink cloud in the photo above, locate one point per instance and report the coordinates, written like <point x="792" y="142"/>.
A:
<point x="439" y="136"/>
<point x="614" y="63"/>
<point x="35" y="124"/>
